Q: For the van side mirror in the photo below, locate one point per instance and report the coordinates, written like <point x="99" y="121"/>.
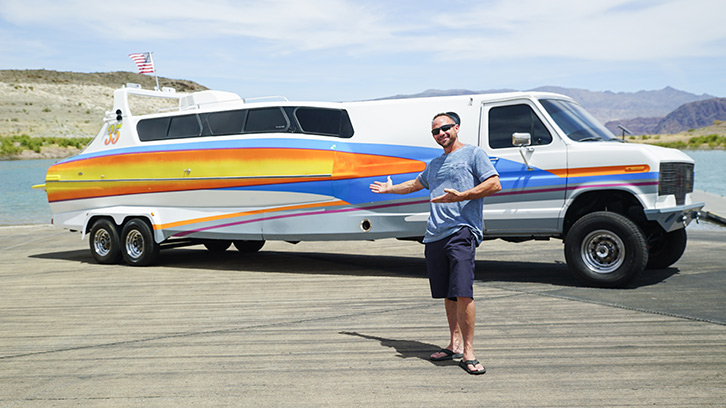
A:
<point x="521" y="139"/>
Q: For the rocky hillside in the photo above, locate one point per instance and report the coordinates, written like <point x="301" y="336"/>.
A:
<point x="66" y="104"/>
<point x="692" y="115"/>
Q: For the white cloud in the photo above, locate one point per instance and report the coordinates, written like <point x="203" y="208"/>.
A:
<point x="288" y="24"/>
<point x="602" y="30"/>
<point x="607" y="30"/>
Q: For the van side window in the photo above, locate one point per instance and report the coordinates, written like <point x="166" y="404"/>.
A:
<point x="184" y="126"/>
<point x="505" y="120"/>
<point x="266" y="120"/>
<point x="327" y="122"/>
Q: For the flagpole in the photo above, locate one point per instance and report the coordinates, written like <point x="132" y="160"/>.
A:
<point x="151" y="57"/>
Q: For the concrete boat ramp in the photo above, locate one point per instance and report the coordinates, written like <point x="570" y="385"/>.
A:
<point x="350" y="324"/>
<point x="715" y="209"/>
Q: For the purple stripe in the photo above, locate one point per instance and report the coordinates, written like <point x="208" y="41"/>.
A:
<point x="580" y="187"/>
<point x="373" y="207"/>
<point x="645" y="183"/>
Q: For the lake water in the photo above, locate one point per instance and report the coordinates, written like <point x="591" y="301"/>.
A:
<point x="19" y="204"/>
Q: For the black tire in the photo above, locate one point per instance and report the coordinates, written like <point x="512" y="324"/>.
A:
<point x="214" y="245"/>
<point x="138" y="245"/>
<point x="606" y="249"/>
<point x="248" y="246"/>
<point x="104" y="242"/>
<point x="666" y="248"/>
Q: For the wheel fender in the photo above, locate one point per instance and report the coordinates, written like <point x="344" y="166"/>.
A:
<point x="121" y="214"/>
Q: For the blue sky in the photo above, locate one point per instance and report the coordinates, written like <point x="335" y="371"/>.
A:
<point x="342" y="50"/>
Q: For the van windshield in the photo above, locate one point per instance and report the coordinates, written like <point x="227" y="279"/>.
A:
<point x="576" y="122"/>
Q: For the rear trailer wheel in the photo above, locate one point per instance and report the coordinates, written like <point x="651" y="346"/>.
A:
<point x="666" y="248"/>
<point x="104" y="242"/>
<point x="217" y="246"/>
<point x="248" y="246"/>
<point x="606" y="249"/>
<point x="139" y="247"/>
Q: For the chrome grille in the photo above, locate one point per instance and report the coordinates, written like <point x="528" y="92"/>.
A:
<point x="676" y="179"/>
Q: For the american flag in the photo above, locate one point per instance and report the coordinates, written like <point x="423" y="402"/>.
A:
<point x="144" y="62"/>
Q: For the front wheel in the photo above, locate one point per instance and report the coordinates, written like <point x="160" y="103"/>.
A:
<point x="606" y="249"/>
<point x="139" y="247"/>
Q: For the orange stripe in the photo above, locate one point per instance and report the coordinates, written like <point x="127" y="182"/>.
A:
<point x="600" y="171"/>
<point x="353" y="165"/>
<point x="247" y="213"/>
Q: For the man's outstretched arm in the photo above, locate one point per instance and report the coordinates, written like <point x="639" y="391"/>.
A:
<point x="410" y="186"/>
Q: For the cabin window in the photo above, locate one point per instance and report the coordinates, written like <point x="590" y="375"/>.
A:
<point x="266" y="120"/>
<point x="328" y="122"/>
<point x="184" y="126"/>
<point x="506" y="120"/>
<point x="290" y="119"/>
<point x="227" y="122"/>
<point x="153" y="129"/>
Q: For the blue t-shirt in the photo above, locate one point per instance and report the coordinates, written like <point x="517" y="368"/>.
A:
<point x="461" y="170"/>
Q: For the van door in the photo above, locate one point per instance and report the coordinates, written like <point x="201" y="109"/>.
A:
<point x="533" y="182"/>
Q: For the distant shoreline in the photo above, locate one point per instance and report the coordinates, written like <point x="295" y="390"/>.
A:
<point x="45" y="153"/>
<point x="55" y="152"/>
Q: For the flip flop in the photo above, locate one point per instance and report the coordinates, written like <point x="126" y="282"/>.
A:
<point x="465" y="365"/>
<point x="450" y="355"/>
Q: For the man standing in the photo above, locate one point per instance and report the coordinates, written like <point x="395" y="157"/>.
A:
<point x="458" y="181"/>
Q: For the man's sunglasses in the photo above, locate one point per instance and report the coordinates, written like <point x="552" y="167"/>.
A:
<point x="442" y="128"/>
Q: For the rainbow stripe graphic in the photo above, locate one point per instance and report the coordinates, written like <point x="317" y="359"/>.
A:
<point x="337" y="173"/>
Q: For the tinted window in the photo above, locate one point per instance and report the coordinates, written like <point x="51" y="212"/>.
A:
<point x="184" y="126"/>
<point x="153" y="129"/>
<point x="266" y="120"/>
<point x="506" y="120"/>
<point x="321" y="121"/>
<point x="332" y="122"/>
<point x="226" y="123"/>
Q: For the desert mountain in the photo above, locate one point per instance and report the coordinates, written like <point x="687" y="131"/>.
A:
<point x="605" y="106"/>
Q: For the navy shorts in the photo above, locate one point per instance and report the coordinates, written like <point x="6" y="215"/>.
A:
<point x="450" y="265"/>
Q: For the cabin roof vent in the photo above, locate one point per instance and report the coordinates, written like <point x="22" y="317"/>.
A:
<point x="196" y="99"/>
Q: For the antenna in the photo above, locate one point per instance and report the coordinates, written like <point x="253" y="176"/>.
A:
<point x="624" y="131"/>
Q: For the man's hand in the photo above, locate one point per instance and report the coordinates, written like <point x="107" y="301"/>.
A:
<point x="450" y="196"/>
<point x="379" y="187"/>
<point x="485" y="188"/>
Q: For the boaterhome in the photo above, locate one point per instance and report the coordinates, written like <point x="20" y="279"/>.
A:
<point x="218" y="169"/>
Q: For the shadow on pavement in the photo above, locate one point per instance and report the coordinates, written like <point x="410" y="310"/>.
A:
<point x="406" y="348"/>
<point x="552" y="273"/>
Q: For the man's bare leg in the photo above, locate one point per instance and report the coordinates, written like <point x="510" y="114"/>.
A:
<point x="455" y="342"/>
<point x="466" y="313"/>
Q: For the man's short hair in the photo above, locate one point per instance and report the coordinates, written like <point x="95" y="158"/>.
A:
<point x="451" y="115"/>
